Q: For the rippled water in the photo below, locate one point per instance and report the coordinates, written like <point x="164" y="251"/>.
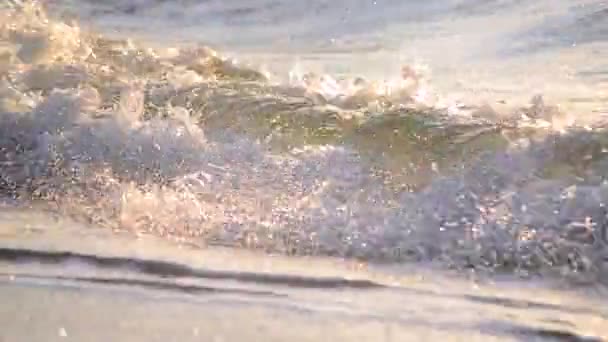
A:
<point x="85" y="275"/>
<point x="475" y="51"/>
<point x="326" y="135"/>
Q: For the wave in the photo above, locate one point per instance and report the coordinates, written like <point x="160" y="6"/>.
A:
<point x="188" y="145"/>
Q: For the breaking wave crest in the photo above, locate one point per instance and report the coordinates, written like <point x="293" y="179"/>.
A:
<point x="184" y="144"/>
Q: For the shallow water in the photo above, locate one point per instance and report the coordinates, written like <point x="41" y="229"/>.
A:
<point x="330" y="156"/>
<point x="85" y="275"/>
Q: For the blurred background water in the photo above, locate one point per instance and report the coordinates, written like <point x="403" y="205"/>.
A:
<point x="475" y="51"/>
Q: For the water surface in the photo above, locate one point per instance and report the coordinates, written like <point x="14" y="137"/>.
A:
<point x="324" y="134"/>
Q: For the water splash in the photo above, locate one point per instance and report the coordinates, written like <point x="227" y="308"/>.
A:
<point x="183" y="143"/>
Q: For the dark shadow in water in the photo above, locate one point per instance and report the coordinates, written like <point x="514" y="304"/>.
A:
<point x="155" y="285"/>
<point x="530" y="333"/>
<point x="168" y="269"/>
<point x="526" y="304"/>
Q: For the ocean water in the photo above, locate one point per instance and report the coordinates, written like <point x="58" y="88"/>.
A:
<point x="101" y="285"/>
<point x="476" y="52"/>
<point x="464" y="133"/>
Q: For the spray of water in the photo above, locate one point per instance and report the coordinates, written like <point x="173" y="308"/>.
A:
<point x="179" y="143"/>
